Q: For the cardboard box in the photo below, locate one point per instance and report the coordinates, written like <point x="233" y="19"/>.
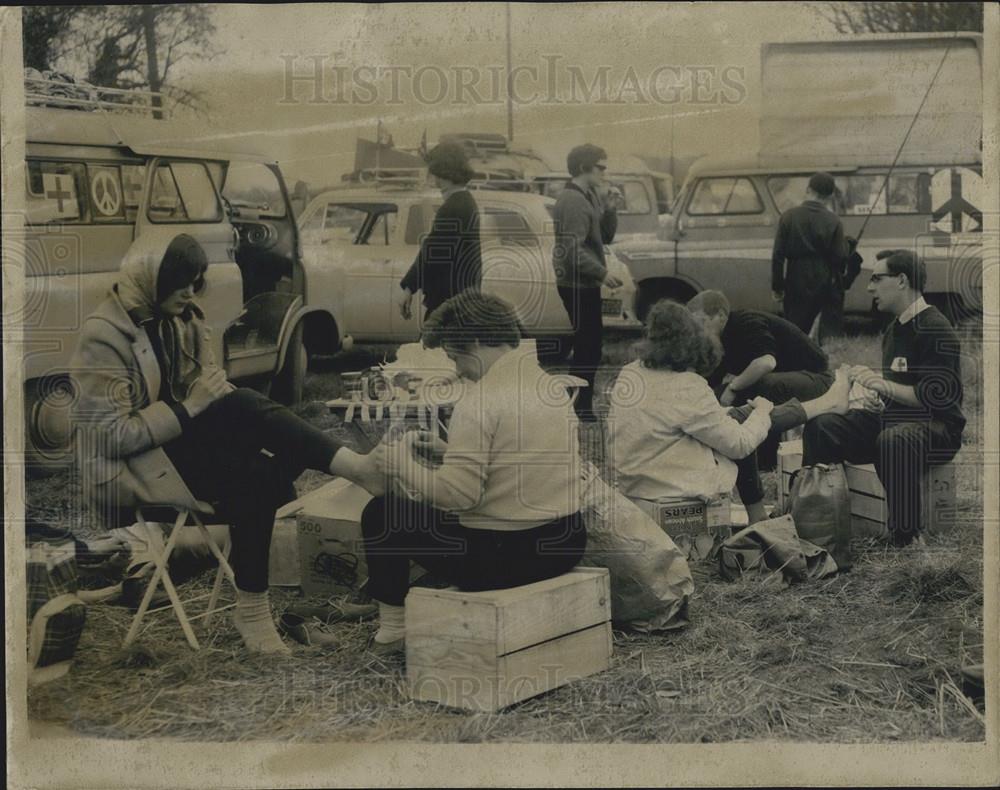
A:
<point x="484" y="651"/>
<point x="283" y="559"/>
<point x="868" y="512"/>
<point x="698" y="527"/>
<point x="331" y="552"/>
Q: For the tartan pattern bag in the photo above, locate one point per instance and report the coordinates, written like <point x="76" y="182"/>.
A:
<point x="56" y="615"/>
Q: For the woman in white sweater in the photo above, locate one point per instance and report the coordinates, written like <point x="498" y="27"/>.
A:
<point x="668" y="435"/>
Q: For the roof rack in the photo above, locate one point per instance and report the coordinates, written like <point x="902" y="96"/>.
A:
<point x="44" y="92"/>
<point x="389" y="177"/>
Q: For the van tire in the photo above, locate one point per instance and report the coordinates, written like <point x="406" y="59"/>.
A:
<point x="287" y="385"/>
<point x="652" y="291"/>
<point x="41" y="459"/>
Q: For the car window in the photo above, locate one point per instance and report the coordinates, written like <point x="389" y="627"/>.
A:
<point x="383" y="229"/>
<point x="255" y="186"/>
<point x="55" y="192"/>
<point x="507" y="227"/>
<point x="183" y="192"/>
<point x="635" y="198"/>
<point x="725" y="196"/>
<point x="343" y="223"/>
<point x="133" y="177"/>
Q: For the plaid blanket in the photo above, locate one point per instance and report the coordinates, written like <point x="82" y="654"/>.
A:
<point x="55" y="614"/>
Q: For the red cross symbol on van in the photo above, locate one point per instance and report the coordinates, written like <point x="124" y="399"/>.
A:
<point x="59" y="194"/>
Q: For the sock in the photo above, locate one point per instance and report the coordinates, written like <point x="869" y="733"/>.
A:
<point x="391" y="623"/>
<point x="254" y="622"/>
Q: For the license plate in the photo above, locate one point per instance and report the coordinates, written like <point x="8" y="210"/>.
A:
<point x="611" y="306"/>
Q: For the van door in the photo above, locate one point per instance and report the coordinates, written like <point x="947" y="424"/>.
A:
<point x="725" y="235"/>
<point x="181" y="195"/>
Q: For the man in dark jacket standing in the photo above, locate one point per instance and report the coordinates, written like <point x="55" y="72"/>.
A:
<point x="450" y="257"/>
<point x="584" y="222"/>
<point x="811" y="239"/>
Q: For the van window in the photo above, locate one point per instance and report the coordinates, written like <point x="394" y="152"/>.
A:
<point x="183" y="192"/>
<point x="107" y="196"/>
<point x="725" y="196"/>
<point x="908" y="193"/>
<point x="55" y="192"/>
<point x="254" y="185"/>
<point x="382" y="229"/>
<point x="133" y="177"/>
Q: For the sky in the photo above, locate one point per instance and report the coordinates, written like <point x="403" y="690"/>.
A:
<point x="680" y="79"/>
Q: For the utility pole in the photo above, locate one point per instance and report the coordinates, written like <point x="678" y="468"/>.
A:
<point x="510" y="81"/>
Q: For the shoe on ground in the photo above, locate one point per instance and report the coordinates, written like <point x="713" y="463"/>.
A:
<point x="306" y="630"/>
<point x="134" y="588"/>
<point x="335" y="611"/>
<point x="386" y="649"/>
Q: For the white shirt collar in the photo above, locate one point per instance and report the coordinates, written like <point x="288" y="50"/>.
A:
<point x="918" y="306"/>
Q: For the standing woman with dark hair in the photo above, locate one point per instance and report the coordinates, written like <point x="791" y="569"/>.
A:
<point x="157" y="423"/>
<point x="450" y="257"/>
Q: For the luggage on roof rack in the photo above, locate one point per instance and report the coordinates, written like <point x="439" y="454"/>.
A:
<point x="61" y="91"/>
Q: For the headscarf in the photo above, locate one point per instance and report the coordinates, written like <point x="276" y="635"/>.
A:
<point x="181" y="336"/>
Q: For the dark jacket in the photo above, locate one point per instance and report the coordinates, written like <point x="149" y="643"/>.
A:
<point x="450" y="258"/>
<point x="583" y="225"/>
<point x="811" y="238"/>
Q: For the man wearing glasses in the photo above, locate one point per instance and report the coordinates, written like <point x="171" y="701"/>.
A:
<point x="918" y="420"/>
<point x="585" y="220"/>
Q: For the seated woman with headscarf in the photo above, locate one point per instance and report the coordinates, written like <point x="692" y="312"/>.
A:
<point x="157" y="423"/>
<point x="668" y="435"/>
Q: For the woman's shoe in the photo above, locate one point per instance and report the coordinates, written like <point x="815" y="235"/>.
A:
<point x="134" y="588"/>
<point x="305" y="630"/>
<point x="335" y="611"/>
<point x="386" y="649"/>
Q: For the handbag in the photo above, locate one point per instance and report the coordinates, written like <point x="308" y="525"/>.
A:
<point x="56" y="614"/>
<point x="820" y="506"/>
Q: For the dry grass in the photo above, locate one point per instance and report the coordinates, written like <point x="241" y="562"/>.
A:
<point x="872" y="655"/>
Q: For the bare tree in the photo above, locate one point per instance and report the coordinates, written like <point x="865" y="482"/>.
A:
<point x="134" y="46"/>
<point x="869" y="17"/>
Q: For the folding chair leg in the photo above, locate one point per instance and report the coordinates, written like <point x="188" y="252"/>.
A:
<point x="160" y="575"/>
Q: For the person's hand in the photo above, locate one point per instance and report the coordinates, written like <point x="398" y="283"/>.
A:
<point x="728" y="397"/>
<point x="207" y="389"/>
<point x="761" y="403"/>
<point x="868" y="378"/>
<point x="778" y="296"/>
<point x="406" y="304"/>
<point x="429" y="443"/>
<point x="612" y="282"/>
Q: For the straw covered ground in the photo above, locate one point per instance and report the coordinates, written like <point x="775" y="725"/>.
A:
<point x="872" y="655"/>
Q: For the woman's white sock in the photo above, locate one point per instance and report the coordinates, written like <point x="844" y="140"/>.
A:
<point x="256" y="625"/>
<point x="391" y="623"/>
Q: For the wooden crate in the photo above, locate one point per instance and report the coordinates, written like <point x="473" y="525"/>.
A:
<point x="484" y="651"/>
<point x="868" y="512"/>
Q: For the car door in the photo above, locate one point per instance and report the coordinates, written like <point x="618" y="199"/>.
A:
<point x="724" y="238"/>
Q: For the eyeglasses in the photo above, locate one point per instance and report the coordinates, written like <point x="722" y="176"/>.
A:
<point x="879" y="277"/>
<point x="602" y="168"/>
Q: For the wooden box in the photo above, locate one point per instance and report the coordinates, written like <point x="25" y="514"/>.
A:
<point x="484" y="651"/>
<point x="868" y="513"/>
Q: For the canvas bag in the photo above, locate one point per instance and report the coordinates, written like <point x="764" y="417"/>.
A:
<point x="820" y="506"/>
<point x="773" y="547"/>
<point x="56" y="614"/>
<point x="650" y="579"/>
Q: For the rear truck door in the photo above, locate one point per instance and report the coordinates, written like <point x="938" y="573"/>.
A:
<point x="180" y="196"/>
<point x="725" y="235"/>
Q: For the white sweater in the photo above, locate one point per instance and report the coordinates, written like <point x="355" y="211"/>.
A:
<point x="669" y="437"/>
<point x="513" y="459"/>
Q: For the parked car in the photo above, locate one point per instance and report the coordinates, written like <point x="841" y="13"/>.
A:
<point x="360" y="241"/>
<point x="721" y="233"/>
<point x="94" y="182"/>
